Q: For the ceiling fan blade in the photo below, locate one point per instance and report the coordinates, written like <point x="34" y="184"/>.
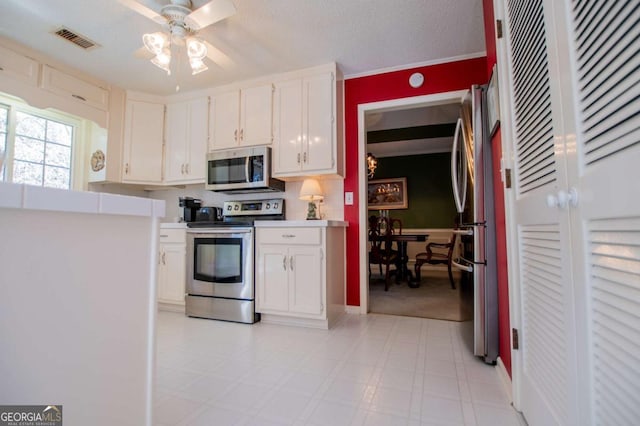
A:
<point x="218" y="57"/>
<point x="144" y="11"/>
<point x="214" y="11"/>
<point x="143" y="53"/>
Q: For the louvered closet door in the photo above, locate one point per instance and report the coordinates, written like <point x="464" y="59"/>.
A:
<point x="547" y="379"/>
<point x="605" y="171"/>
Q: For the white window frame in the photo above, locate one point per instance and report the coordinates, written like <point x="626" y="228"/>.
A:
<point x="77" y="178"/>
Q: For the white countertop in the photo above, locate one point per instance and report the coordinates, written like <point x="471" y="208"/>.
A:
<point x="173" y="225"/>
<point x="299" y="223"/>
<point x="29" y="197"/>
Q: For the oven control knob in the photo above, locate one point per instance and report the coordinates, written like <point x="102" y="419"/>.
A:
<point x="268" y="206"/>
<point x="275" y="206"/>
<point x="236" y="207"/>
<point x="229" y="207"/>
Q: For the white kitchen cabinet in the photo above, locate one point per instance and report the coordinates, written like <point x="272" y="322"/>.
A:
<point x="300" y="274"/>
<point x="143" y="142"/>
<point x="306" y="139"/>
<point x="66" y="85"/>
<point x="187" y="126"/>
<point x="172" y="269"/>
<point x="18" y="67"/>
<point x="241" y="118"/>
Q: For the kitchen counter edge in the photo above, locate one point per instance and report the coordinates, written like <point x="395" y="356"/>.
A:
<point x="300" y="223"/>
<point x="30" y="197"/>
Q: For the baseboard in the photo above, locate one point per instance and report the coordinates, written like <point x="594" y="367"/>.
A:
<point x="351" y="309"/>
<point x="504" y="378"/>
<point x="171" y="307"/>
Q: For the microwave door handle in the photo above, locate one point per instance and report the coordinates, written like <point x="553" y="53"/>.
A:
<point x="246" y="168"/>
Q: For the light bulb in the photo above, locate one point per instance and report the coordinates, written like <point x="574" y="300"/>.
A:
<point x="196" y="49"/>
<point x="197" y="66"/>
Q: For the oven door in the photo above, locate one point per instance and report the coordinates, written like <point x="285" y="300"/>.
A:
<point x="220" y="263"/>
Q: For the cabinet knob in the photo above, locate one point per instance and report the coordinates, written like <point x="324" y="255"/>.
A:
<point x="186" y="167"/>
<point x="241" y="135"/>
<point x="298" y="158"/>
<point x="291" y="263"/>
<point x="235" y="135"/>
<point x="284" y="262"/>
<point x="182" y="169"/>
<point x="304" y="157"/>
<point x="126" y="168"/>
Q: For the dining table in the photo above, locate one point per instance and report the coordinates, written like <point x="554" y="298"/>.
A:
<point x="403" y="273"/>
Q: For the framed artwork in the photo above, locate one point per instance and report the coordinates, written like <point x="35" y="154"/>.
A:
<point x="387" y="194"/>
<point x="493" y="103"/>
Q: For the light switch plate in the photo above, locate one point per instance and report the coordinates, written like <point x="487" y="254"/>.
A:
<point x="348" y="198"/>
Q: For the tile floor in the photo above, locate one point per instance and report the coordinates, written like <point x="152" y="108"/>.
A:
<point x="368" y="370"/>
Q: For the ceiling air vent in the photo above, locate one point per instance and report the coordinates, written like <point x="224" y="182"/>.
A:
<point x="75" y="38"/>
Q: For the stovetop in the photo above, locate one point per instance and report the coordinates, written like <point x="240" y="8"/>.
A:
<point x="246" y="222"/>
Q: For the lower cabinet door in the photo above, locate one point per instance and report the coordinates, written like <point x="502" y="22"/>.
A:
<point x="305" y="268"/>
<point x="171" y="274"/>
<point x="272" y="274"/>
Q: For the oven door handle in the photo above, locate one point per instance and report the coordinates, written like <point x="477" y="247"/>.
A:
<point x="219" y="231"/>
<point x="246" y="169"/>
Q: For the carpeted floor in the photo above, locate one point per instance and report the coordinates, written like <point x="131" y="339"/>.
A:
<point x="433" y="299"/>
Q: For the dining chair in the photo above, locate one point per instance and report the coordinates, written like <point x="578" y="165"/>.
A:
<point x="381" y="251"/>
<point x="438" y="257"/>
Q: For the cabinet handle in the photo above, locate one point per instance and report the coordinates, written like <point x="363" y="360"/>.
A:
<point x="163" y="258"/>
<point x="291" y="263"/>
<point x="182" y="169"/>
<point x="126" y="169"/>
<point x="79" y="97"/>
<point x="235" y="135"/>
<point x="241" y="135"/>
<point x="284" y="262"/>
<point x="1" y="69"/>
<point x="186" y="167"/>
<point x="304" y="157"/>
<point x="298" y="158"/>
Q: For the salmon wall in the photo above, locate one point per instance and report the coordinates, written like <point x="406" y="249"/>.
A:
<point x="438" y="78"/>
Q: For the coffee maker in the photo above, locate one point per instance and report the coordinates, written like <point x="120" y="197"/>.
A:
<point x="190" y="208"/>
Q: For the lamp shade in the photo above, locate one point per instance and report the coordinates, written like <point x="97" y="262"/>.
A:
<point x="311" y="190"/>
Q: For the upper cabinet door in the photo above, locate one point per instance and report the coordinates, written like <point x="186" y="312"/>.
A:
<point x="224" y="113"/>
<point x="256" y="106"/>
<point x="306" y="139"/>
<point x="17" y="66"/>
<point x="143" y="132"/>
<point x="287" y="127"/>
<point x="186" y="140"/>
<point x="67" y="85"/>
<point x="176" y="151"/>
<point x="318" y="109"/>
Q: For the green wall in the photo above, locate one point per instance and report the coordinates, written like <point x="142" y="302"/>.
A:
<point x="428" y="176"/>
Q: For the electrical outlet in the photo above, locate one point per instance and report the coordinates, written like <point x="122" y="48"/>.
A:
<point x="348" y="198"/>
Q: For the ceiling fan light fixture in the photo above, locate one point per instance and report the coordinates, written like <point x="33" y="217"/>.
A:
<point x="163" y="60"/>
<point x="197" y="66"/>
<point x="155" y="42"/>
<point x="196" y="49"/>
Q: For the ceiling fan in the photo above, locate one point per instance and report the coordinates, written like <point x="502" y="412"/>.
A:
<point x="181" y="23"/>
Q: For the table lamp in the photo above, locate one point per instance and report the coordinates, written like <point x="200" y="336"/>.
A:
<point x="311" y="192"/>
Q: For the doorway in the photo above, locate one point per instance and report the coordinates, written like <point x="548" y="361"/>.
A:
<point x="368" y="116"/>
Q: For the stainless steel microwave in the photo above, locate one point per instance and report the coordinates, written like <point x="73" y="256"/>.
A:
<point x="241" y="170"/>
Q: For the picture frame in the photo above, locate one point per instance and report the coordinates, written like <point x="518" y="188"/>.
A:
<point x="387" y="194"/>
<point x="493" y="102"/>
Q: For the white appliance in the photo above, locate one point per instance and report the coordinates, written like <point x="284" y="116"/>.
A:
<point x="471" y="177"/>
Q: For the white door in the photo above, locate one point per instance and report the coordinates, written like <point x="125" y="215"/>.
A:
<point x="547" y="347"/>
<point x="317" y="109"/>
<point x="143" y="132"/>
<point x="287" y="123"/>
<point x="606" y="220"/>
<point x="256" y="106"/>
<point x="225" y="120"/>
<point x="576" y="81"/>
<point x="174" y="264"/>
<point x="198" y="128"/>
<point x="175" y="140"/>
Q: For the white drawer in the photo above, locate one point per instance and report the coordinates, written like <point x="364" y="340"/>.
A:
<point x="173" y="235"/>
<point x="310" y="236"/>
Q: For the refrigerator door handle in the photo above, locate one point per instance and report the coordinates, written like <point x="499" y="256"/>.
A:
<point x="459" y="194"/>
<point x="467" y="268"/>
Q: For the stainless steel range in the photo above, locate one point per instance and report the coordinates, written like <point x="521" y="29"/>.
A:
<point x="220" y="261"/>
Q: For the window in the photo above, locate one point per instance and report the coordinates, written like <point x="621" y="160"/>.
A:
<point x="37" y="146"/>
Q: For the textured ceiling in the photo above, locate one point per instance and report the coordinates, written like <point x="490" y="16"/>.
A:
<point x="263" y="37"/>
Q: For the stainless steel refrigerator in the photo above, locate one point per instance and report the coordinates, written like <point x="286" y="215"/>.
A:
<point x="472" y="183"/>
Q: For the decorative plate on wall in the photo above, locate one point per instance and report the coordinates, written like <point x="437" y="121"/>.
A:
<point x="97" y="161"/>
